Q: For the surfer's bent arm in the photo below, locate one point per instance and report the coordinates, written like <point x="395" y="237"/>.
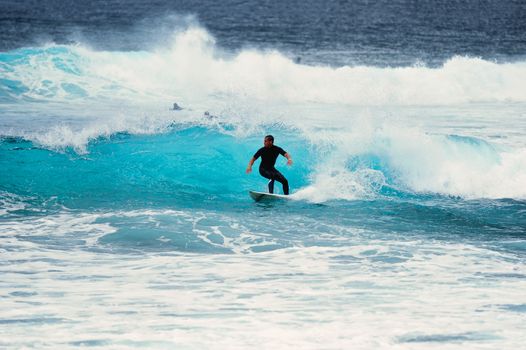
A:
<point x="289" y="161"/>
<point x="250" y="163"/>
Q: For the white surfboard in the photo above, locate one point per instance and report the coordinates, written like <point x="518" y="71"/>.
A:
<point x="265" y="196"/>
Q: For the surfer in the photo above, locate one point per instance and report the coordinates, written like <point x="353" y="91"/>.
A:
<point x="269" y="153"/>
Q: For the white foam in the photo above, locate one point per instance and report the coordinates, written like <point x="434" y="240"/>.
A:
<point x="342" y="184"/>
<point x="309" y="298"/>
<point x="412" y="160"/>
<point x="10" y="202"/>
<point x="436" y="164"/>
<point x="60" y="136"/>
<point x="194" y="69"/>
<point x="228" y="234"/>
<point x="64" y="224"/>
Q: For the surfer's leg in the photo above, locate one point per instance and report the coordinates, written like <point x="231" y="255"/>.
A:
<point x="285" y="187"/>
<point x="271" y="186"/>
<point x="269" y="175"/>
<point x="280" y="178"/>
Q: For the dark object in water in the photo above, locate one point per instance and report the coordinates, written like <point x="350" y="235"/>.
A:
<point x="177" y="107"/>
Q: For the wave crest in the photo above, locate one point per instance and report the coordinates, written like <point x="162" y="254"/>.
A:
<point x="194" y="69"/>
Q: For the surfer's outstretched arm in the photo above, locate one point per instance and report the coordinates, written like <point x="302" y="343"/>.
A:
<point x="289" y="161"/>
<point x="250" y="163"/>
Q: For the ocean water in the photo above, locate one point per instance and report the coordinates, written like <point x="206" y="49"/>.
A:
<point x="127" y="224"/>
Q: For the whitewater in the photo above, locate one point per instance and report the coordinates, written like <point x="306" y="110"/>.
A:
<point x="127" y="224"/>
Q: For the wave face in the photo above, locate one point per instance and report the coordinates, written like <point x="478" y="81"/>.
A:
<point x="207" y="162"/>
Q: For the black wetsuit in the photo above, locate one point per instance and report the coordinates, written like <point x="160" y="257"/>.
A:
<point x="266" y="168"/>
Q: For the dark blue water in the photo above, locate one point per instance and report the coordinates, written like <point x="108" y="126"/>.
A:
<point x="334" y="32"/>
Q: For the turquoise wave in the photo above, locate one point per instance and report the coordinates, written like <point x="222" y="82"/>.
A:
<point x="181" y="166"/>
<point x="189" y="164"/>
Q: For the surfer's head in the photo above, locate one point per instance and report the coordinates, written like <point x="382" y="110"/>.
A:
<point x="268" y="141"/>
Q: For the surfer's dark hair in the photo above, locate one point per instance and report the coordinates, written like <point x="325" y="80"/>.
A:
<point x="269" y="137"/>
